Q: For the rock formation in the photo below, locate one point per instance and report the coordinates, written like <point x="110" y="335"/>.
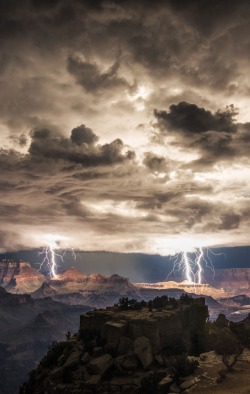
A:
<point x="235" y="280"/>
<point x="19" y="276"/>
<point x="124" y="351"/>
<point x="74" y="287"/>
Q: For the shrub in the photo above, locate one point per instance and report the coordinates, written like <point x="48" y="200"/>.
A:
<point x="182" y="366"/>
<point x="186" y="299"/>
<point x="129" y="304"/>
<point x="173" y="302"/>
<point x="160" y="302"/>
<point x="229" y="347"/>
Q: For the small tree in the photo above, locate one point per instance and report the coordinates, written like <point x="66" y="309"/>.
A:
<point x="229" y="347"/>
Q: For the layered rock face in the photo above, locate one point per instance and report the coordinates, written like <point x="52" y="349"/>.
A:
<point x="72" y="275"/>
<point x="19" y="276"/>
<point x="236" y="280"/>
<point x="76" y="279"/>
<point x="75" y="287"/>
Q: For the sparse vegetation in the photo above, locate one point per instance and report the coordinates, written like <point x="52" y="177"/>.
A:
<point x="129" y="304"/>
<point x="229" y="347"/>
<point x="182" y="366"/>
<point x="186" y="299"/>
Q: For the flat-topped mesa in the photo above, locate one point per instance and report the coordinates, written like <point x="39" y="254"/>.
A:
<point x="115" y="278"/>
<point x="76" y="276"/>
<point x="203" y="289"/>
<point x="164" y="328"/>
<point x="72" y="275"/>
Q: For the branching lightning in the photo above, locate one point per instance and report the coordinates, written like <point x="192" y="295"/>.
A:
<point x="190" y="263"/>
<point x="51" y="255"/>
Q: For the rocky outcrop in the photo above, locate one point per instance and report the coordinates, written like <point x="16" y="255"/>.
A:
<point x="19" y="276"/>
<point x="121" y="351"/>
<point x="164" y="328"/>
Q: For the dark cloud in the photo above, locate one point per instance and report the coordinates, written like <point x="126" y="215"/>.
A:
<point x="90" y="76"/>
<point x="79" y="148"/>
<point x="83" y="135"/>
<point x="213" y="136"/>
<point x="190" y="118"/>
<point x="155" y="162"/>
<point x="229" y="221"/>
<point x="207" y="16"/>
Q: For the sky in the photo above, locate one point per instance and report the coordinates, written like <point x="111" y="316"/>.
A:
<point x="124" y="125"/>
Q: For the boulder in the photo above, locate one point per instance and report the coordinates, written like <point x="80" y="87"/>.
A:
<point x="164" y="384"/>
<point x="100" y="365"/>
<point x="174" y="388"/>
<point x="73" y="359"/>
<point x="85" y="358"/>
<point x="160" y="360"/>
<point x="93" y="380"/>
<point x="188" y="382"/>
<point x="127" y="362"/>
<point x="143" y="350"/>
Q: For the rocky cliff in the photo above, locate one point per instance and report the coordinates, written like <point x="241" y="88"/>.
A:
<point x="74" y="287"/>
<point x="124" y="351"/>
<point x="235" y="280"/>
<point x="19" y="276"/>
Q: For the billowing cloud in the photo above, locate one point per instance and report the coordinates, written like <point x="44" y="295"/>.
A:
<point x="83" y="135"/>
<point x="189" y="118"/>
<point x="79" y="148"/>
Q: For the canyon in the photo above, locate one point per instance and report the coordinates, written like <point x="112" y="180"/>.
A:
<point x="36" y="310"/>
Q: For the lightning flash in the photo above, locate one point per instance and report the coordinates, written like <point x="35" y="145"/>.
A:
<point x="51" y="254"/>
<point x="190" y="263"/>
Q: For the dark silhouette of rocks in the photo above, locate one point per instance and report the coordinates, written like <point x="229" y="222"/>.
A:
<point x="121" y="351"/>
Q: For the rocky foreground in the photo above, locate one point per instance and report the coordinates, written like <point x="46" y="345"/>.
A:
<point x="124" y="351"/>
<point x="158" y="348"/>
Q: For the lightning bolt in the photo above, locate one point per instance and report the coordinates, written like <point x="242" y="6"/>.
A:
<point x="187" y="267"/>
<point x="51" y="255"/>
<point x="198" y="263"/>
<point x="192" y="266"/>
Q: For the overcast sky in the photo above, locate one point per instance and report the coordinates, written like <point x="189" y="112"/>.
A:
<point x="124" y="125"/>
